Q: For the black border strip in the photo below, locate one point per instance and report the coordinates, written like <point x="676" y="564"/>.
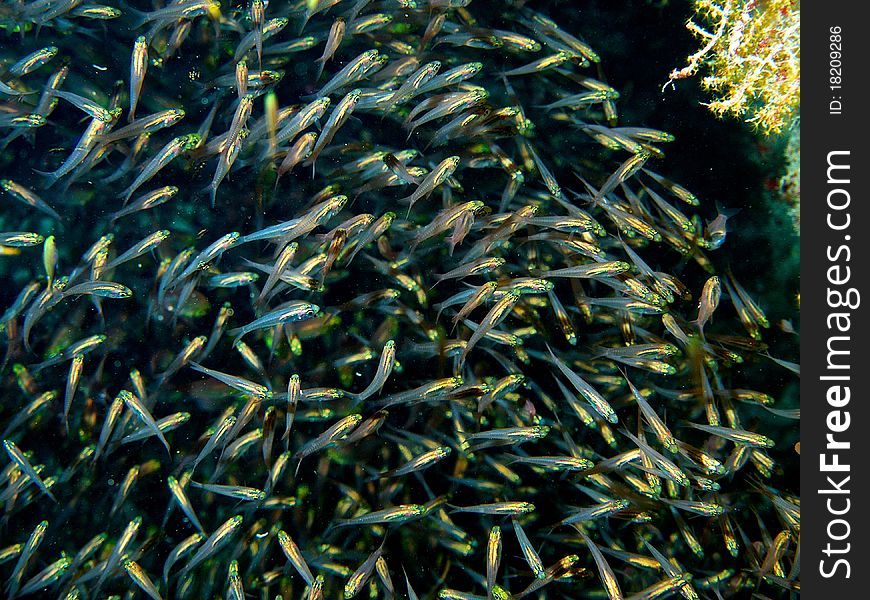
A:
<point x="835" y="262"/>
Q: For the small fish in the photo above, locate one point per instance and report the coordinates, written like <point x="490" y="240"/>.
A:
<point x="240" y="118"/>
<point x="540" y="65"/>
<point x="667" y="467"/>
<point x="531" y="556"/>
<point x="283" y="260"/>
<point x="338" y="117"/>
<point x="103" y="289"/>
<point x="385" y="367"/>
<point x="625" y="171"/>
<point x="303" y="119"/>
<point x="562" y="318"/>
<point x="72" y="382"/>
<point x="675" y="189"/>
<point x="292" y="311"/>
<point x="257" y="80"/>
<point x="210" y="254"/>
<point x="226" y="160"/>
<point x="384" y="575"/>
<point x="548" y="177"/>
<point x="10" y="91"/>
<point x="599" y="511"/>
<point x="329" y="437"/>
<point x="91" y="11"/>
<point x="583" y="99"/>
<point x="355" y="70"/>
<point x="167" y="423"/>
<point x="215" y="542"/>
<point x="301" y="150"/>
<point x="26" y="196"/>
<point x="592" y="396"/>
<point x="663" y="434"/>
<point x="147" y="201"/>
<point x="33" y="61"/>
<point x="482" y="295"/>
<point x="662" y="588"/>
<point x="183" y="502"/>
<point x="294" y="555"/>
<point x="738" y="436"/>
<point x="83" y="147"/>
<point x="433" y="28"/>
<point x="47" y="576"/>
<point x="218" y="437"/>
<point x="144" y="415"/>
<point x="111" y="418"/>
<point x="496" y="315"/>
<point x="439" y="175"/>
<point x="396" y="514"/>
<point x="185" y="9"/>
<point x="707" y="509"/>
<point x="333" y="41"/>
<point x="242" y="79"/>
<point x="173" y="149"/>
<point x="235" y="585"/>
<point x="30" y="121"/>
<point x="418" y="463"/>
<point x="556" y="463"/>
<point x="608" y="578"/>
<point x="710" y="296"/>
<point x="477" y="267"/>
<point x="183" y="548"/>
<point x="232" y="491"/>
<point x="20" y="239"/>
<point x="258" y="15"/>
<point x="140" y="578"/>
<point x="291" y="46"/>
<point x="144" y="126"/>
<point x="506" y="436"/>
<point x="357" y="581"/>
<point x="294" y="391"/>
<point x="49" y="259"/>
<point x="262" y="32"/>
<point x="497" y="508"/>
<point x="125" y="539"/>
<point x="87" y="106"/>
<point x="493" y="557"/>
<point x="19" y="459"/>
<point x="588" y="271"/>
<point x="27" y="552"/>
<point x="411" y="86"/>
<point x="716" y="230"/>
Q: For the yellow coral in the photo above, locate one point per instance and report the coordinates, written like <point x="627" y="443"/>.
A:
<point x="751" y="52"/>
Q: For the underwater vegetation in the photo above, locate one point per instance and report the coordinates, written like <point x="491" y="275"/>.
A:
<point x="336" y="299"/>
<point x="790" y="182"/>
<point x="750" y="57"/>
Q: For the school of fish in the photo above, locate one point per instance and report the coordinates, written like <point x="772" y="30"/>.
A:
<point x="364" y="298"/>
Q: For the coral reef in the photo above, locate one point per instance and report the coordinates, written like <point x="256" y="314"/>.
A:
<point x="750" y="57"/>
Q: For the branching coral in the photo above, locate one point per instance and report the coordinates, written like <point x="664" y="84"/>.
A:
<point x="751" y="53"/>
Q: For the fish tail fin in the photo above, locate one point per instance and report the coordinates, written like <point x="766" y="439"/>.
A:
<point x="726" y="212"/>
<point x="139" y="17"/>
<point x="51" y="178"/>
<point x="321" y="63"/>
